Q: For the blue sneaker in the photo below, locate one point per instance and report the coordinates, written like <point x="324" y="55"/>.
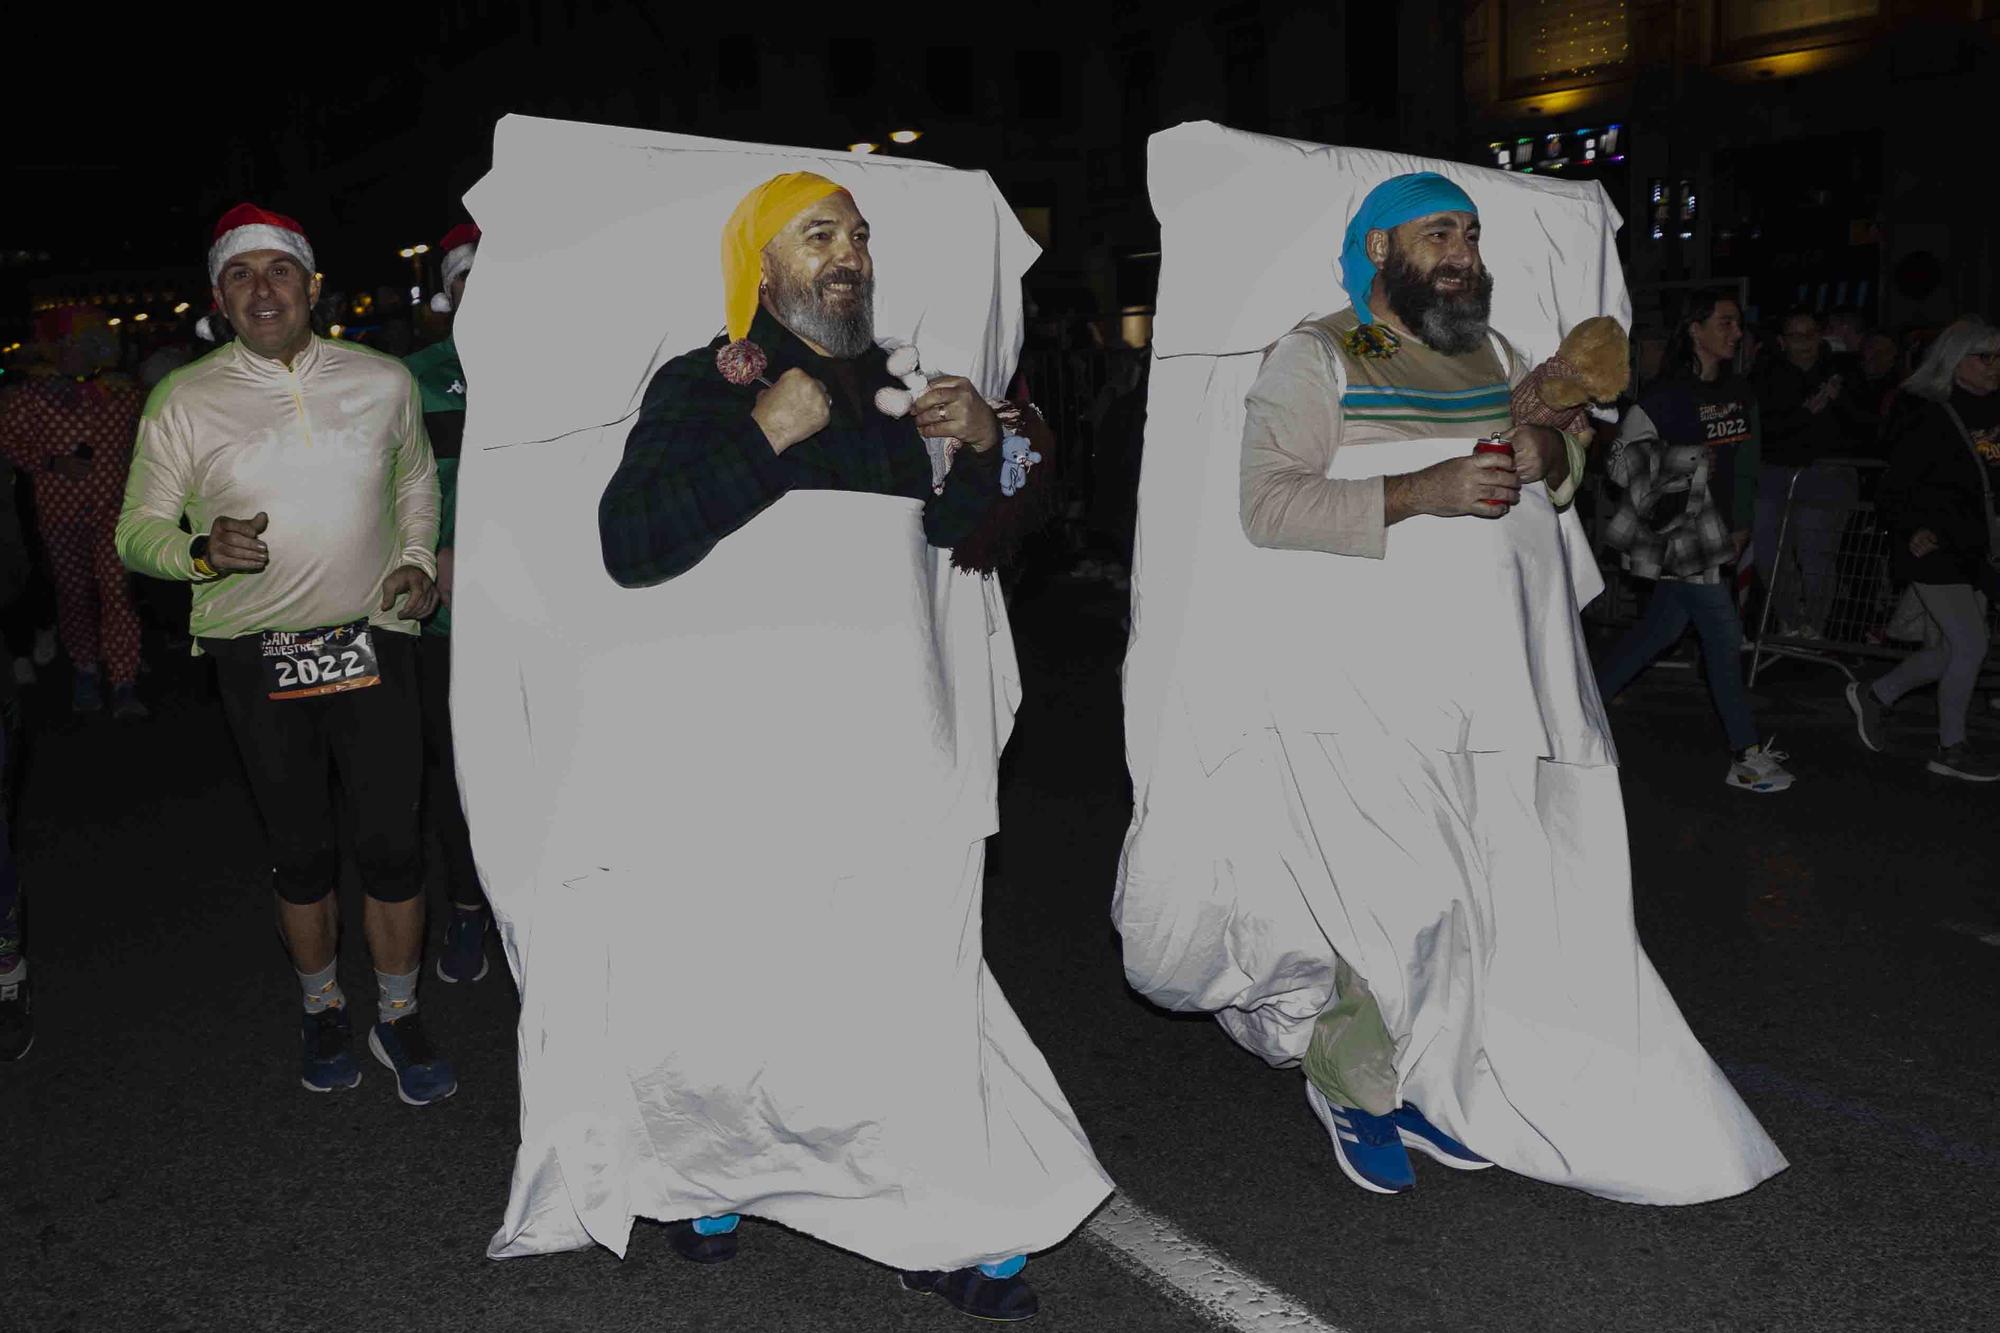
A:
<point x="1433" y="1142"/>
<point x="1006" y="1299"/>
<point x="86" y="695"/>
<point x="422" y="1075"/>
<point x="328" y="1065"/>
<point x="1366" y="1146"/>
<point x="464" y="955"/>
<point x="705" y="1240"/>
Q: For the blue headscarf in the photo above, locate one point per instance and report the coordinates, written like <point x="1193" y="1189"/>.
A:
<point x="1395" y="201"/>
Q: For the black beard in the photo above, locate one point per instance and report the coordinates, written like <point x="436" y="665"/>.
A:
<point x="1452" y="323"/>
<point x="801" y="307"/>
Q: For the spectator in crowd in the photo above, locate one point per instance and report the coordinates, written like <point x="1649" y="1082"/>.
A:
<point x="1843" y="331"/>
<point x="1937" y="502"/>
<point x="441" y="379"/>
<point x="303" y="468"/>
<point x="1880" y="373"/>
<point x="1805" y="421"/>
<point x="71" y="432"/>
<point x="17" y="1031"/>
<point x="1686" y="460"/>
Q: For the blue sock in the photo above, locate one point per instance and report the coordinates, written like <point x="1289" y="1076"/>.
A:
<point x="1005" y="1268"/>
<point x="716" y="1226"/>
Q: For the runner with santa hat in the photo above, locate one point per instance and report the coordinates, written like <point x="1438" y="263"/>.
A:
<point x="305" y="474"/>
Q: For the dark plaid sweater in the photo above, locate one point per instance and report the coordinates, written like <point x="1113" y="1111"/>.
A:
<point x="697" y="467"/>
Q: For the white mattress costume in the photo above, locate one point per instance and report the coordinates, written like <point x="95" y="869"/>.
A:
<point x="1420" y="780"/>
<point x="732" y="825"/>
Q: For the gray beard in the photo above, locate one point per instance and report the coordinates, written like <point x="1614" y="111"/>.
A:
<point x="801" y="308"/>
<point x="1453" y="325"/>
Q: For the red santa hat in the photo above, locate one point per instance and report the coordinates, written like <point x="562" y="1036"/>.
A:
<point x="458" y="245"/>
<point x="247" y="227"/>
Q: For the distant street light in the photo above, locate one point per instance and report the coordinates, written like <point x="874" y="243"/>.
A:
<point x="181" y="309"/>
<point x="406" y="252"/>
<point x="906" y="136"/>
<point x="862" y="147"/>
<point x="114" y="321"/>
<point x="141" y="317"/>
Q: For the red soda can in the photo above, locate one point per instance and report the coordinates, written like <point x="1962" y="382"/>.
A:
<point x="1492" y="444"/>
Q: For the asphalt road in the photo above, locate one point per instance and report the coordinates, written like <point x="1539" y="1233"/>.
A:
<point x="164" y="1171"/>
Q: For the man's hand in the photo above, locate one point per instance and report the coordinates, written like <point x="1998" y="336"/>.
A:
<point x="1476" y="486"/>
<point x="951" y="407"/>
<point x="233" y="547"/>
<point x="1922" y="542"/>
<point x="1539" y="454"/>
<point x="795" y="408"/>
<point x="70" y="468"/>
<point x="444" y="574"/>
<point x="422" y="592"/>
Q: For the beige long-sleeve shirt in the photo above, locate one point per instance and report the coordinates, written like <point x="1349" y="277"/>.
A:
<point x="332" y="448"/>
<point x="1301" y="410"/>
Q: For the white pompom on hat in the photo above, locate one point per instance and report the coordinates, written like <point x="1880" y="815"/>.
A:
<point x="459" y="246"/>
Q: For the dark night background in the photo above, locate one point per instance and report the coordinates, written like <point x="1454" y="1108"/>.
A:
<point x="1835" y="150"/>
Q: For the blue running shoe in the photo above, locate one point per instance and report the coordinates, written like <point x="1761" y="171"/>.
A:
<point x="1367" y="1146"/>
<point x="464" y="955"/>
<point x="705" y="1240"/>
<point x="328" y="1065"/>
<point x="1433" y="1142"/>
<point x="422" y="1075"/>
<point x="999" y="1300"/>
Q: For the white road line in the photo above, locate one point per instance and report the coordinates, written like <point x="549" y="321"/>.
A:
<point x="1160" y="1252"/>
<point x="1980" y="933"/>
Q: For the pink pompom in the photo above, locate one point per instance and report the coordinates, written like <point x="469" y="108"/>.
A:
<point x="903" y="360"/>
<point x="893" y="402"/>
<point x="741" y="362"/>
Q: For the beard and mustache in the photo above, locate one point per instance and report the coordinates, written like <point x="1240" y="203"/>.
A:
<point x="1453" y="323"/>
<point x="802" y="307"/>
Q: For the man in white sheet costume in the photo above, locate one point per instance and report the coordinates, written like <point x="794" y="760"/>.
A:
<point x="1380" y="833"/>
<point x="758" y="989"/>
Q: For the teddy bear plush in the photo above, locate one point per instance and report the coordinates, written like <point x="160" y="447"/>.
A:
<point x="1591" y="367"/>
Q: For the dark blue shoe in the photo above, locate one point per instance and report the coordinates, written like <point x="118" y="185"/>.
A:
<point x="1367" y="1146"/>
<point x="1001" y="1300"/>
<point x="1426" y="1138"/>
<point x="328" y="1065"/>
<point x="464" y="955"/>
<point x="422" y="1075"/>
<point x="705" y="1240"/>
<point x="86" y="695"/>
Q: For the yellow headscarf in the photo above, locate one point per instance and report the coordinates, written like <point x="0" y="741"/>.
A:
<point x="761" y="216"/>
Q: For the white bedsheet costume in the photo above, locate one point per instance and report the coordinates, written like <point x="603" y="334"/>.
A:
<point x="1419" y="778"/>
<point x="732" y="826"/>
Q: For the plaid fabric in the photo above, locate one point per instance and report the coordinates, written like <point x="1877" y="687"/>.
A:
<point x="696" y="466"/>
<point x="1665" y="525"/>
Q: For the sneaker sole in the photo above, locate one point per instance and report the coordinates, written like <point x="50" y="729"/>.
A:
<point x="982" y="1318"/>
<point x="375" y="1049"/>
<point x="1860" y="723"/>
<point x="1320" y="1107"/>
<point x="1947" y="771"/>
<point x="1439" y="1155"/>
<point x="1760" y="788"/>
<point x="21" y="1054"/>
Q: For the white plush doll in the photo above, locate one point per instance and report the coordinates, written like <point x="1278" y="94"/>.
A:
<point x="1016" y="456"/>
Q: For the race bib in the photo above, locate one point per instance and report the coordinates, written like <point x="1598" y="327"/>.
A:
<point x="303" y="664"/>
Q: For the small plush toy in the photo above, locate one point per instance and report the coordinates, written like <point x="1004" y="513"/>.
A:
<point x="1591" y="367"/>
<point x="1016" y="456"/>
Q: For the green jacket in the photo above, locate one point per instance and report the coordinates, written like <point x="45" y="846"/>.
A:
<point x="441" y="381"/>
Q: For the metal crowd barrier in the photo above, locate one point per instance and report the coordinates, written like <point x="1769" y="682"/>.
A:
<point x="1831" y="597"/>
